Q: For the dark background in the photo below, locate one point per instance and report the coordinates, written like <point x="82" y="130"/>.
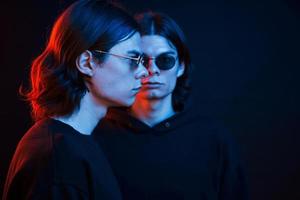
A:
<point x="246" y="56"/>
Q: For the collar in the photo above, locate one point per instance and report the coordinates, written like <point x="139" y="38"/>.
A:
<point x="122" y="117"/>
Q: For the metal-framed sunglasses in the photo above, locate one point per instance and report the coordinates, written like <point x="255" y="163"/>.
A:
<point x="135" y="61"/>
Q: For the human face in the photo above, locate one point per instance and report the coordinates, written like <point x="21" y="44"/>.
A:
<point x="160" y="83"/>
<point x="116" y="81"/>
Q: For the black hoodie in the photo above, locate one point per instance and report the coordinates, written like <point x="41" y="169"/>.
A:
<point x="187" y="156"/>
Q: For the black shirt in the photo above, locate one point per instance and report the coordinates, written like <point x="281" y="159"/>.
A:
<point x="184" y="157"/>
<point x="54" y="161"/>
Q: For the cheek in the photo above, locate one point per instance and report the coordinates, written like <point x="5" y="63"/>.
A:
<point x="120" y="84"/>
<point x="171" y="85"/>
<point x="114" y="80"/>
<point x="117" y="75"/>
<point x="114" y="90"/>
<point x="170" y="80"/>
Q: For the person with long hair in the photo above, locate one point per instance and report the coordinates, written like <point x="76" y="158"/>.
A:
<point x="162" y="147"/>
<point x="92" y="61"/>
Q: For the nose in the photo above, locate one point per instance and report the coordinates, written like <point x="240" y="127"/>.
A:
<point x="142" y="72"/>
<point x="152" y="68"/>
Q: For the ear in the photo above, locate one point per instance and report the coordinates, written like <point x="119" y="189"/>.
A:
<point x="85" y="63"/>
<point x="181" y="69"/>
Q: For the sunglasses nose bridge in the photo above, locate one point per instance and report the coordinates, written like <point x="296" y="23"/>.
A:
<point x="151" y="61"/>
<point x="152" y="67"/>
<point x="146" y="61"/>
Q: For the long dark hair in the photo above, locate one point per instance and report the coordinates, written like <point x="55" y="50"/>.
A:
<point x="153" y="23"/>
<point x="56" y="85"/>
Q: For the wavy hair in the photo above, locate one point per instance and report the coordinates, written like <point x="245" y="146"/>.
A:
<point x="56" y="86"/>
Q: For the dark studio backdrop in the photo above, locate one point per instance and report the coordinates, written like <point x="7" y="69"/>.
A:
<point x="247" y="59"/>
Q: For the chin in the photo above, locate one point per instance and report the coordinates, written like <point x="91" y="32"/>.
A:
<point x="128" y="103"/>
<point x="153" y="95"/>
<point x="124" y="101"/>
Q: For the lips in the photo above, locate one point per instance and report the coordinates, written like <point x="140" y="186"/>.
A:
<point x="151" y="85"/>
<point x="137" y="88"/>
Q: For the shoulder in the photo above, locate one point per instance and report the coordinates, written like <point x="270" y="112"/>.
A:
<point x="219" y="132"/>
<point x="205" y="128"/>
<point x="36" y="142"/>
<point x="47" y="141"/>
<point x="43" y="135"/>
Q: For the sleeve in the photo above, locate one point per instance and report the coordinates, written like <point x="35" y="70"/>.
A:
<point x="24" y="186"/>
<point x="233" y="181"/>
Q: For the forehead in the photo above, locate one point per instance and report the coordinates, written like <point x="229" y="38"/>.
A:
<point x="156" y="44"/>
<point x="131" y="44"/>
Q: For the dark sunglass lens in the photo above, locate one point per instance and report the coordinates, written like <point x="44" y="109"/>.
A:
<point x="165" y="62"/>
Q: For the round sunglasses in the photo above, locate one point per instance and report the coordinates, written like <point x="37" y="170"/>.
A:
<point x="163" y="61"/>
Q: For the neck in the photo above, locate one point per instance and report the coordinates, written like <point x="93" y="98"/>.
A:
<point x="153" y="111"/>
<point x="85" y="119"/>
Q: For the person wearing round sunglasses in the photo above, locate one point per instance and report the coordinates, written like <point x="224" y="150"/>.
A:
<point x="161" y="147"/>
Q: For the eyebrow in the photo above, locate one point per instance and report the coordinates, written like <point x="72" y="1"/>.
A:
<point x="164" y="53"/>
<point x="168" y="52"/>
<point x="135" y="52"/>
